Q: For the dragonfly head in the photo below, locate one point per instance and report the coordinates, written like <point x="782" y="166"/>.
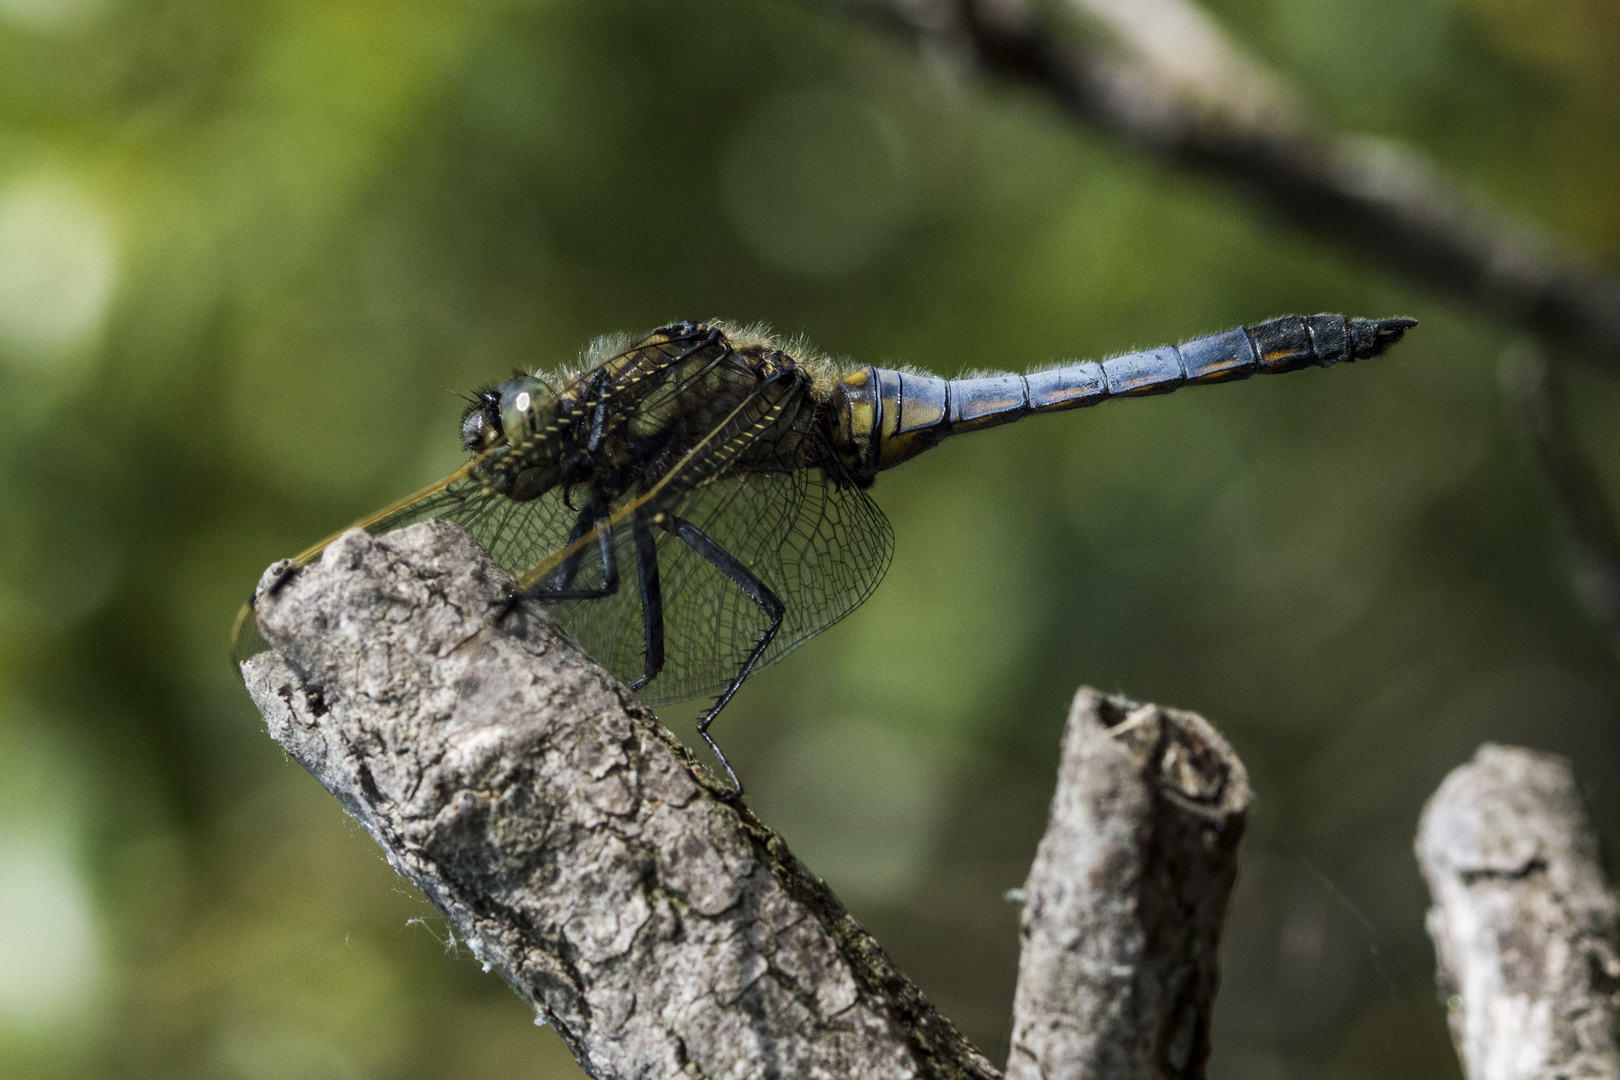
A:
<point x="511" y="411"/>
<point x="481" y="422"/>
<point x="510" y="429"/>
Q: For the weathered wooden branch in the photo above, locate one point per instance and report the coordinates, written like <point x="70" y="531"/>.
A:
<point x="577" y="849"/>
<point x="1526" y="931"/>
<point x="567" y="836"/>
<point x="1124" y="904"/>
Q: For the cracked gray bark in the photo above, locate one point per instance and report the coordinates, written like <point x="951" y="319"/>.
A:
<point x="1525" y="929"/>
<point x="577" y="849"/>
<point x="1125" y="901"/>
<point x="568" y="837"/>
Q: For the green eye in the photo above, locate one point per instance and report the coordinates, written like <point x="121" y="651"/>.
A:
<point x="521" y="401"/>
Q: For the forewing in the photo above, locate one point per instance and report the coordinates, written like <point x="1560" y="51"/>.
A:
<point x="515" y="534"/>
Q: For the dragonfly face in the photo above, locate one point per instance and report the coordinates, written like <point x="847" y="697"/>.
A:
<point x="481" y="425"/>
<point x="693" y="507"/>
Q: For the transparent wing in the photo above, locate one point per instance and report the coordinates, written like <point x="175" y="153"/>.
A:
<point x="756" y="476"/>
<point x="514" y="534"/>
<point x="820" y="544"/>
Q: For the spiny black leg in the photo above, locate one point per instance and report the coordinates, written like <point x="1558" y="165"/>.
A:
<point x="756" y="590"/>
<point x="564" y="577"/>
<point x="652" y="599"/>
<point x="610" y="572"/>
<point x="286" y="570"/>
<point x="565" y="574"/>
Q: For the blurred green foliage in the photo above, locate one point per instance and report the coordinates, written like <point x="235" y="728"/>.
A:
<point x="248" y="249"/>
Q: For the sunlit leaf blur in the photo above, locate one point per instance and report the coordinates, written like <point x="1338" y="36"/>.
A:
<point x="248" y="251"/>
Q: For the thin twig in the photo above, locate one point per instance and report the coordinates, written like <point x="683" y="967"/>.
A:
<point x="1534" y="388"/>
<point x="1160" y="75"/>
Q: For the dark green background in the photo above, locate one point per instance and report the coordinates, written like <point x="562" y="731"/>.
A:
<point x="248" y="249"/>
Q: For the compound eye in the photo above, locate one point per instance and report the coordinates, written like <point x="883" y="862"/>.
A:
<point x="522" y="401"/>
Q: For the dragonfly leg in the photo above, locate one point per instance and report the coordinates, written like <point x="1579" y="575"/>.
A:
<point x="610" y="573"/>
<point x="592" y="515"/>
<point x="757" y="591"/>
<point x="652" y="599"/>
<point x="564" y="575"/>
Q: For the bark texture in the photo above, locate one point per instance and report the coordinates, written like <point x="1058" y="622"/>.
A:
<point x="1125" y="901"/>
<point x="570" y="839"/>
<point x="1526" y="931"/>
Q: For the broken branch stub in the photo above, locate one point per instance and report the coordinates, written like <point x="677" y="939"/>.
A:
<point x="566" y="835"/>
<point x="1526" y="931"/>
<point x="1125" y="901"/>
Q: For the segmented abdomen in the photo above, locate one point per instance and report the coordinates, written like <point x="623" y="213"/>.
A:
<point x="883" y="417"/>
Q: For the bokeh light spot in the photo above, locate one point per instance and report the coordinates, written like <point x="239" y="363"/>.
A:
<point x="49" y="957"/>
<point x="817" y="183"/>
<point x="51" y="15"/>
<point x="57" y="267"/>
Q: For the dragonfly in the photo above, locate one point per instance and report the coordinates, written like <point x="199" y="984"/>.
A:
<point x="693" y="505"/>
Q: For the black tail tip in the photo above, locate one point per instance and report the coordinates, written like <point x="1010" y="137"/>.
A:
<point x="1370" y="337"/>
